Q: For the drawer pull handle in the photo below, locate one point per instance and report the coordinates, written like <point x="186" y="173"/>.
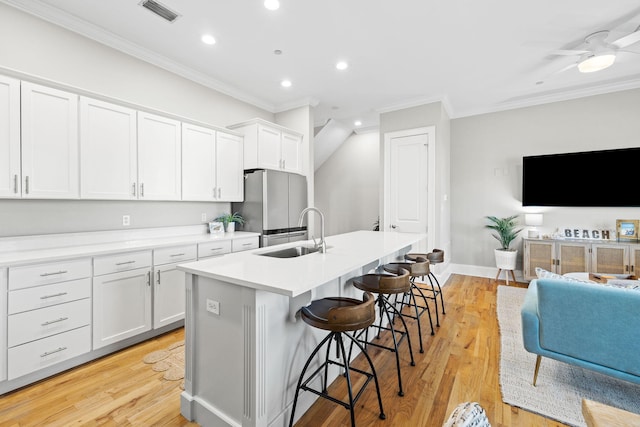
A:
<point x="177" y="255"/>
<point x="247" y="244"/>
<point x="216" y="249"/>
<point x="54" y="273"/>
<point x="53" y="296"/>
<point x="49" y="353"/>
<point x="125" y="263"/>
<point x="50" y="322"/>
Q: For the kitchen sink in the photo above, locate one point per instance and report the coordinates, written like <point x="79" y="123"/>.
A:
<point x="290" y="252"/>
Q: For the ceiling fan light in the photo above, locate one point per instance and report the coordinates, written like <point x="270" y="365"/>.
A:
<point x="596" y="63"/>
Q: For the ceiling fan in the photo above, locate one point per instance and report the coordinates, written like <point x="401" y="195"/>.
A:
<point x="599" y="53"/>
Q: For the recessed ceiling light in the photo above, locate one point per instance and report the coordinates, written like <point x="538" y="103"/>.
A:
<point x="285" y="83"/>
<point x="272" y="4"/>
<point x="342" y="65"/>
<point x="357" y="123"/>
<point x="208" y="39"/>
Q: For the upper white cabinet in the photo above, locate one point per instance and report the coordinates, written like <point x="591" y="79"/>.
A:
<point x="229" y="167"/>
<point x="10" y="182"/>
<point x="270" y="146"/>
<point x="211" y="165"/>
<point x="159" y="157"/>
<point x="108" y="159"/>
<point x="49" y="143"/>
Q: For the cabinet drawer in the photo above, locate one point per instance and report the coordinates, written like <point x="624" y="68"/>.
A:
<point x="36" y="324"/>
<point x="35" y="355"/>
<point x="174" y="254"/>
<point x="121" y="262"/>
<point x="44" y="296"/>
<point x="44" y="274"/>
<point x="214" y="248"/>
<point x="244" y="244"/>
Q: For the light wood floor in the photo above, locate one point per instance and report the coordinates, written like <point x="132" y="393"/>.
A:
<point x="460" y="363"/>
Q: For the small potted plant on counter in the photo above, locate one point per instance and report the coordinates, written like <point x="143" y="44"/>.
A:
<point x="230" y="220"/>
<point x="505" y="233"/>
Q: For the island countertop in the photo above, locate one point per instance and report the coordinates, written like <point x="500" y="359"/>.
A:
<point x="295" y="276"/>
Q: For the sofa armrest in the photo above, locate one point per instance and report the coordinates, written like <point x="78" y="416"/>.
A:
<point x="530" y="320"/>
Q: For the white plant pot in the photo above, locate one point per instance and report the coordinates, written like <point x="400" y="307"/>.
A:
<point x="231" y="227"/>
<point x="506" y="260"/>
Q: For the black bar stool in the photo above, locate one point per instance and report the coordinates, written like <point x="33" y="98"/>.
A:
<point x="340" y="316"/>
<point x="434" y="257"/>
<point x="386" y="285"/>
<point x="419" y="268"/>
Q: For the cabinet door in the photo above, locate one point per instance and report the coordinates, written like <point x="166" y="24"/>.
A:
<point x="159" y="162"/>
<point x="229" y="167"/>
<point x="572" y="257"/>
<point x="291" y="147"/>
<point x="612" y="259"/>
<point x="10" y="181"/>
<point x="269" y="156"/>
<point x="198" y="163"/>
<point x="49" y="143"/>
<point x="537" y="254"/>
<point x="169" y="295"/>
<point x="634" y="259"/>
<point x="108" y="160"/>
<point x="3" y="324"/>
<point x="121" y="306"/>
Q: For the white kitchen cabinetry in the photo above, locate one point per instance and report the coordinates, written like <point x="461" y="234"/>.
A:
<point x="3" y="324"/>
<point x="10" y="180"/>
<point x="121" y="297"/>
<point x="169" y="283"/>
<point x="159" y="157"/>
<point x="244" y="244"/>
<point x="211" y="249"/>
<point x="270" y="146"/>
<point x="50" y="167"/>
<point x="212" y="165"/>
<point x="49" y="315"/>
<point x="108" y="151"/>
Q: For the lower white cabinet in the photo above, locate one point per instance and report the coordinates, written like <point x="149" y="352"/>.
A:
<point x="169" y="295"/>
<point x="211" y="249"/>
<point x="3" y="324"/>
<point x="40" y="354"/>
<point x="121" y="306"/>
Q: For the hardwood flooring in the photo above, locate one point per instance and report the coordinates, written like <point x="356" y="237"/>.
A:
<point x="460" y="363"/>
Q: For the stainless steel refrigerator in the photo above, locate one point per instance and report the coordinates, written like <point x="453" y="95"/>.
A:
<point x="272" y="204"/>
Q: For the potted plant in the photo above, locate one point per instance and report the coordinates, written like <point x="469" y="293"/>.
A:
<point x="230" y="220"/>
<point x="505" y="232"/>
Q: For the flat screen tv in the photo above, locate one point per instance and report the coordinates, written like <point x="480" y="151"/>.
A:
<point x="593" y="178"/>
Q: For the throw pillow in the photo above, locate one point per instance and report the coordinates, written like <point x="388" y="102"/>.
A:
<point x="468" y="414"/>
<point x="545" y="274"/>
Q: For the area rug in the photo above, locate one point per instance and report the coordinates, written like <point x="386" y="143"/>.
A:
<point x="561" y="387"/>
<point x="170" y="361"/>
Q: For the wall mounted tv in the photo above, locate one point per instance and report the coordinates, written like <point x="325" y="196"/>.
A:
<point x="593" y="178"/>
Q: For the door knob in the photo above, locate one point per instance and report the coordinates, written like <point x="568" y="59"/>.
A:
<point x="393" y="226"/>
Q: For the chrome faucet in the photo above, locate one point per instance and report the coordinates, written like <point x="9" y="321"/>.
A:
<point x="321" y="244"/>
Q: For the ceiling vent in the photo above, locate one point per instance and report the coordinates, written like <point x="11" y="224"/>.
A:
<point x="159" y="9"/>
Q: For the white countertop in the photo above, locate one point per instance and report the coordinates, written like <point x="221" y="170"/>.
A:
<point x="50" y="254"/>
<point x="294" y="276"/>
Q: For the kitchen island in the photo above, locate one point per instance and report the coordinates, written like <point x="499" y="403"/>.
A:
<point x="244" y="345"/>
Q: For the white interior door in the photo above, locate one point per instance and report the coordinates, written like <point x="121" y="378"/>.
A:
<point x="409" y="175"/>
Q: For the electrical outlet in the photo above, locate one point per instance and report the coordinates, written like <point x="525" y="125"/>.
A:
<point x="203" y="218"/>
<point x="213" y="306"/>
<point x="126" y="220"/>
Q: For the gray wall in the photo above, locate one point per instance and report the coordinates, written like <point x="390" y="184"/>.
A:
<point x="33" y="49"/>
<point x="347" y="185"/>
<point x="486" y="164"/>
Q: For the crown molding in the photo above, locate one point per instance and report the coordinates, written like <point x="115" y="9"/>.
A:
<point x="554" y="96"/>
<point x="304" y="102"/>
<point x="69" y="22"/>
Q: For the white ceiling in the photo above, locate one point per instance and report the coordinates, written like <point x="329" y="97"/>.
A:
<point x="475" y="56"/>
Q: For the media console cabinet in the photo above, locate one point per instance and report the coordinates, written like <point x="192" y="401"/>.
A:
<point x="563" y="256"/>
